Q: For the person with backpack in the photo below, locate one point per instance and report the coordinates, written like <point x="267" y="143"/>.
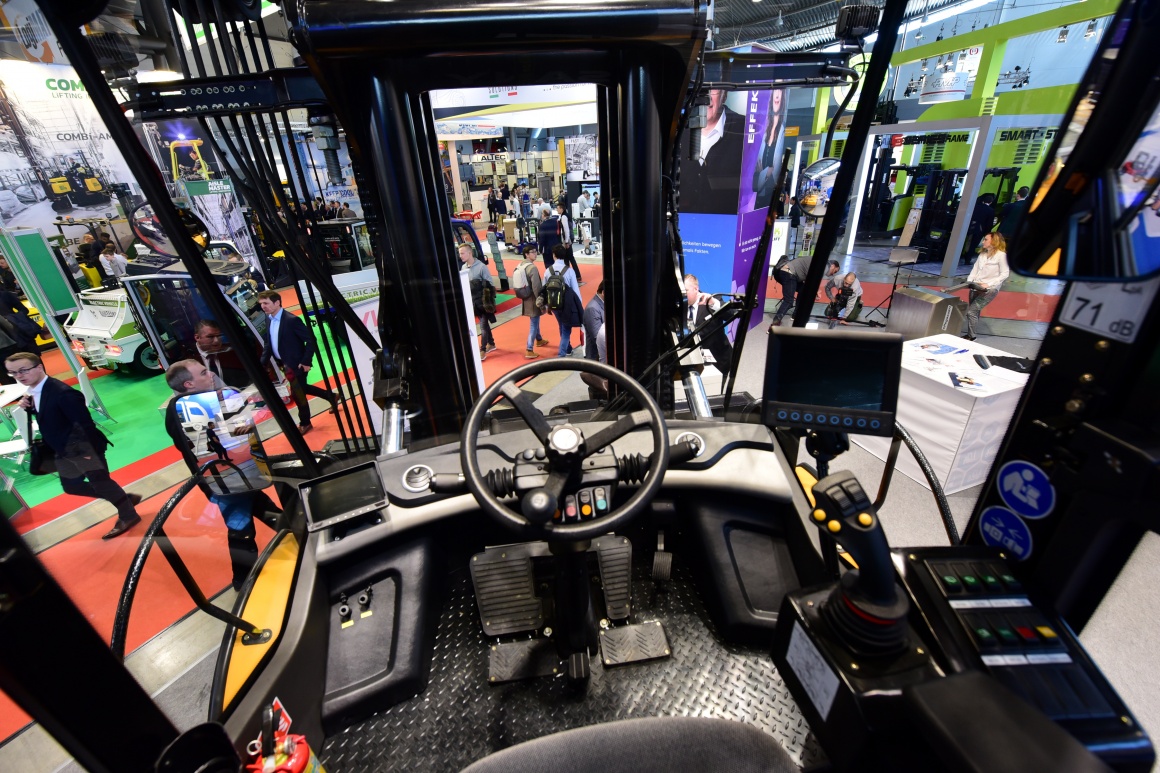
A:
<point x="562" y="297"/>
<point x="482" y="297"/>
<point x="528" y="288"/>
<point x="565" y="227"/>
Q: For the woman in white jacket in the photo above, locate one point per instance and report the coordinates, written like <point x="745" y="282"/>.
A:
<point x="987" y="276"/>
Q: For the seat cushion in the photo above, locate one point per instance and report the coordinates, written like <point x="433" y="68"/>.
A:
<point x="643" y="745"/>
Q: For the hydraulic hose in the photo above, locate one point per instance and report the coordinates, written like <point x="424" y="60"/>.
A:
<point x="944" y="507"/>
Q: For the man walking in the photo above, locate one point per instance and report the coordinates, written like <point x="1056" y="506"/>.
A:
<point x="565" y="226"/>
<point x="568" y="309"/>
<point x="235" y="493"/>
<point x="68" y="429"/>
<point x="479" y="279"/>
<point x="531" y="307"/>
<point x="291" y="346"/>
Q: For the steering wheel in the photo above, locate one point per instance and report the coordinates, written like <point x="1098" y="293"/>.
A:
<point x="565" y="448"/>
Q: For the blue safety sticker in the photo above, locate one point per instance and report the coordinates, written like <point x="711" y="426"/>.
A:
<point x="1026" y="489"/>
<point x="1003" y="529"/>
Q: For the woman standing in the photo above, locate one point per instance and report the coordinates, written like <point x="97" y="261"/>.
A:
<point x="987" y="276"/>
<point x="765" y="175"/>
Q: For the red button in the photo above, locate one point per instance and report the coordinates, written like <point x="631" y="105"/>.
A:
<point x="571" y="511"/>
<point x="1026" y="634"/>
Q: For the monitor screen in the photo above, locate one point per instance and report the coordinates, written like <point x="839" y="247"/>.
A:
<point x="201" y="407"/>
<point x="345" y="494"/>
<point x="832" y="379"/>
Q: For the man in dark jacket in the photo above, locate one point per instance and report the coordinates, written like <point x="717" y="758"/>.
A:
<point x="701" y="307"/>
<point x="711" y="182"/>
<point x="289" y="343"/>
<point x="548" y="236"/>
<point x="1011" y="214"/>
<point x="236" y="491"/>
<point x="68" y="429"/>
<point x="982" y="221"/>
<point x="593" y="320"/>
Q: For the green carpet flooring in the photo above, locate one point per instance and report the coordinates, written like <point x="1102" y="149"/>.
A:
<point x="132" y="401"/>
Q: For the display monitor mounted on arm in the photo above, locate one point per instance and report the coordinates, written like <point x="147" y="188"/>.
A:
<point x="837" y="380"/>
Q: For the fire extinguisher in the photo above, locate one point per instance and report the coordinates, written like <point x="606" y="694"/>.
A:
<point x="281" y="752"/>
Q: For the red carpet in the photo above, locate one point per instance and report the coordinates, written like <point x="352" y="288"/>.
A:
<point x="92" y="571"/>
<point x="1023" y="307"/>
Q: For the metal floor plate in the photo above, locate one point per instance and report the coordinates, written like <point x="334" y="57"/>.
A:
<point x="460" y="718"/>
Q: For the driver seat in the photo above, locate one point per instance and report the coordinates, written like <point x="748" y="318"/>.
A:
<point x="644" y="745"/>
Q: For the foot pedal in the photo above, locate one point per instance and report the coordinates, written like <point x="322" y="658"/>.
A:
<point x="634" y="643"/>
<point x="527" y="659"/>
<point x="662" y="561"/>
<point x="505" y="589"/>
<point x="615" y="557"/>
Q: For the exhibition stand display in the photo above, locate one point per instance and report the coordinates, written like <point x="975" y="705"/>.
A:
<point x="954" y="407"/>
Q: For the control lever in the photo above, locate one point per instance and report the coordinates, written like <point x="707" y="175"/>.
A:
<point x="866" y="610"/>
<point x="448" y="483"/>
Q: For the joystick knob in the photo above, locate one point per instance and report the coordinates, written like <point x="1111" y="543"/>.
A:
<point x="865" y="610"/>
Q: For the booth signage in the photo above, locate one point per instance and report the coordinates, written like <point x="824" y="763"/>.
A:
<point x="938" y="138"/>
<point x="944" y="87"/>
<point x="1023" y="135"/>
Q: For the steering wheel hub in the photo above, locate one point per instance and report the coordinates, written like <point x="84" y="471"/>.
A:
<point x="565" y="441"/>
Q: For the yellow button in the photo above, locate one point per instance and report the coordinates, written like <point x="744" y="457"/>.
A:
<point x="1046" y="632"/>
<point x="834" y="526"/>
<point x="819" y="515"/>
<point x="865" y="519"/>
<point x="585" y="509"/>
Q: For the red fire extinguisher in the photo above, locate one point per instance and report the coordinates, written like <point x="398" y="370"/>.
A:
<point x="279" y="751"/>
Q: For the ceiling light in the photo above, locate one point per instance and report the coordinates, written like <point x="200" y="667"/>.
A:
<point x="924" y="65"/>
<point x="1091" y="29"/>
<point x="780" y="20"/>
<point x="1062" y="36"/>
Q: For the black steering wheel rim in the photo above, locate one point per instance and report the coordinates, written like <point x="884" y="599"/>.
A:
<point x="583" y="530"/>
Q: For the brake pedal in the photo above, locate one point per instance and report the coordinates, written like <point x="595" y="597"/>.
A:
<point x="505" y="589"/>
<point x="614" y="555"/>
<point x="634" y="643"/>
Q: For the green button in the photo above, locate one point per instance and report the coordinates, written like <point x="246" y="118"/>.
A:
<point x="983" y="633"/>
<point x="1007" y="635"/>
<point x="950" y="579"/>
<point x="970" y="581"/>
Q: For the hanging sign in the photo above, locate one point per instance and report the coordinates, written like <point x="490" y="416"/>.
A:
<point x="943" y="87"/>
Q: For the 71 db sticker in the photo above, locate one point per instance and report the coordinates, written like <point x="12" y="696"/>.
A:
<point x="1109" y="309"/>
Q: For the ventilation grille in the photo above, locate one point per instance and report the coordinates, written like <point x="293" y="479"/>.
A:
<point x="932" y="154"/>
<point x="837" y="148"/>
<point x="1028" y="152"/>
<point x="989" y="105"/>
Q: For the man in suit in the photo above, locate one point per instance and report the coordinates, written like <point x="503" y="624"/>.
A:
<point x="289" y="343"/>
<point x="711" y="182"/>
<point x="229" y="488"/>
<point x="1012" y="213"/>
<point x="221" y="360"/>
<point x="67" y="428"/>
<point x="701" y="307"/>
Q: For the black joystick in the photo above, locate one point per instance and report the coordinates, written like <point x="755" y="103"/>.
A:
<point x="865" y="610"/>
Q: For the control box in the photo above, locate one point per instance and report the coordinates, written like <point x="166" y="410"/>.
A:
<point x="983" y="617"/>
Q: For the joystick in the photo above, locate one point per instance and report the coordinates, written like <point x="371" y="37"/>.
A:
<point x="865" y="610"/>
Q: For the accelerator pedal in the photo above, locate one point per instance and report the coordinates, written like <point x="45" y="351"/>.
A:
<point x="634" y="643"/>
<point x="525" y="659"/>
<point x="615" y="558"/>
<point x="662" y="569"/>
<point x="505" y="589"/>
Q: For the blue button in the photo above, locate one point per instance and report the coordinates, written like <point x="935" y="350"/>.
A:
<point x="781" y="414"/>
<point x="861" y="422"/>
<point x="875" y="424"/>
<point x="834" y="419"/>
<point x="795" y="416"/>
<point x="848" y="421"/>
<point x="808" y="417"/>
<point x="821" y="418"/>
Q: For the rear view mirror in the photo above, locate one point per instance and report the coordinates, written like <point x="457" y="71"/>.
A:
<point x="1095" y="208"/>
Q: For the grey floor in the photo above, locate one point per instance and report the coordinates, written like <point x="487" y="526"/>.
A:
<point x="176" y="667"/>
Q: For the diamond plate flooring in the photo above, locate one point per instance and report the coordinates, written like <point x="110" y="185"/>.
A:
<point x="460" y="718"/>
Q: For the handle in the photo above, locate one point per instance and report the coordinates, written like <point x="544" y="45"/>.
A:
<point x="845" y="512"/>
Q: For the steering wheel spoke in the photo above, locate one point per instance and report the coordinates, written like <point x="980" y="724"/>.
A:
<point x="528" y="412"/>
<point x="534" y="517"/>
<point x="616" y="431"/>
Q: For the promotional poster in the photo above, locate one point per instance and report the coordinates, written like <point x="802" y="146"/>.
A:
<point x="56" y="157"/>
<point x="725" y="191"/>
